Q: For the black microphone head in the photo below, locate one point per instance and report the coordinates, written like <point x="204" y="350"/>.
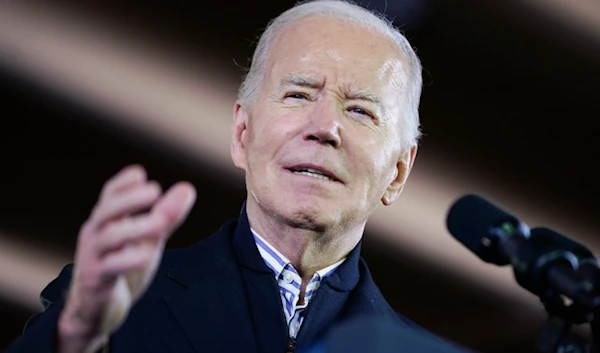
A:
<point x="547" y="239"/>
<point x="472" y="220"/>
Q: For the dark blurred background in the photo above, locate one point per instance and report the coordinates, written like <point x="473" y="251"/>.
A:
<point x="509" y="106"/>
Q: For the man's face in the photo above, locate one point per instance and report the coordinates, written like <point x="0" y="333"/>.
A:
<point x="321" y="144"/>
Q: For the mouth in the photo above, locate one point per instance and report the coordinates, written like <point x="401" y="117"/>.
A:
<point x="315" y="172"/>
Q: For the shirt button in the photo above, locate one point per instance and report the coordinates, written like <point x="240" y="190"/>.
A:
<point x="288" y="278"/>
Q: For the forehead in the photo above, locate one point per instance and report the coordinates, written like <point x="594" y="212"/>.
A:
<point x="326" y="48"/>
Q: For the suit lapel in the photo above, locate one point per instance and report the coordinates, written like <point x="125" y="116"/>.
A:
<point x="327" y="306"/>
<point x="266" y="310"/>
<point x="213" y="304"/>
<point x="324" y="310"/>
<point x="348" y="293"/>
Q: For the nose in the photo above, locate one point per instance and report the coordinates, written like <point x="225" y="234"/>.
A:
<point x="324" y="125"/>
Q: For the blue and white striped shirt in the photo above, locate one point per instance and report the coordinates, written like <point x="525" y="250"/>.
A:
<point x="289" y="282"/>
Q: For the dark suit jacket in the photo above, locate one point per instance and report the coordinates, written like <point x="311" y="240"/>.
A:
<point x="219" y="296"/>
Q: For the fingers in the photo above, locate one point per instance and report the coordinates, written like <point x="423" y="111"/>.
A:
<point x="176" y="203"/>
<point x="124" y="239"/>
<point x="127" y="177"/>
<point x="131" y="258"/>
<point x="130" y="201"/>
<point x="124" y="243"/>
<point x="118" y="237"/>
<point x="117" y="234"/>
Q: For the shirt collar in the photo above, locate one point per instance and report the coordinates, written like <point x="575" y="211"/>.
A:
<point x="277" y="262"/>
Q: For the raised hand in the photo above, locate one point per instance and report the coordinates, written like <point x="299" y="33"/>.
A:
<point x="118" y="251"/>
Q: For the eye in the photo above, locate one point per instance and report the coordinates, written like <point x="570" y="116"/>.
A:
<point x="296" y="95"/>
<point x="360" y="111"/>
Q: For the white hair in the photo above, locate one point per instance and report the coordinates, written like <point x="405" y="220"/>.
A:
<point x="346" y="10"/>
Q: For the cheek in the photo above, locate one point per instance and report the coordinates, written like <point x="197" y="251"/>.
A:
<point x="258" y="134"/>
<point x="272" y="130"/>
<point x="377" y="166"/>
<point x="266" y="137"/>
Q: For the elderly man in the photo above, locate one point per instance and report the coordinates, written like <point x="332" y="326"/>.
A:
<point x="326" y="129"/>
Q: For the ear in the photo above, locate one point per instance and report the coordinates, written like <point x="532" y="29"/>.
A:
<point x="239" y="135"/>
<point x="403" y="168"/>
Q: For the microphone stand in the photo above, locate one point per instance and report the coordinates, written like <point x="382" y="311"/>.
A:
<point x="565" y="276"/>
<point x="556" y="336"/>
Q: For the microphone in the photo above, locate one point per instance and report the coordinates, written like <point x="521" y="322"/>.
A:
<point x="544" y="261"/>
<point x="488" y="231"/>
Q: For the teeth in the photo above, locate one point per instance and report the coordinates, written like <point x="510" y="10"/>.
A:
<point x="313" y="174"/>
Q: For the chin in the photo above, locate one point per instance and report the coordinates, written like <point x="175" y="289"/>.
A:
<point x="309" y="217"/>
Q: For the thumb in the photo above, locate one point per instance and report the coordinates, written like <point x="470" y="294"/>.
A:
<point x="176" y="204"/>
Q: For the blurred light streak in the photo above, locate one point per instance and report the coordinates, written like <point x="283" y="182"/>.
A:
<point x="190" y="108"/>
<point x="572" y="24"/>
<point x="25" y="270"/>
<point x="120" y="77"/>
<point x="583" y="15"/>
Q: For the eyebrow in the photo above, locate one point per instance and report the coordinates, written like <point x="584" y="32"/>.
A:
<point x="365" y="96"/>
<point x="305" y="81"/>
<point x="302" y="81"/>
<point x="368" y="97"/>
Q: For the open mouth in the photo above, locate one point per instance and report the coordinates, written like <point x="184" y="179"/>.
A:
<point x="314" y="172"/>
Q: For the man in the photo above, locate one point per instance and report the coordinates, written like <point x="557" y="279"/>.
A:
<point x="326" y="129"/>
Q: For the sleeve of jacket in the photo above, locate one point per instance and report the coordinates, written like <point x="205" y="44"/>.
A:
<point x="39" y="334"/>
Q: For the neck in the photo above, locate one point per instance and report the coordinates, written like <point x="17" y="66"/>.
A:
<point x="307" y="250"/>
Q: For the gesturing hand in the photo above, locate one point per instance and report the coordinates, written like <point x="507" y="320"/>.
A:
<point x="118" y="251"/>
